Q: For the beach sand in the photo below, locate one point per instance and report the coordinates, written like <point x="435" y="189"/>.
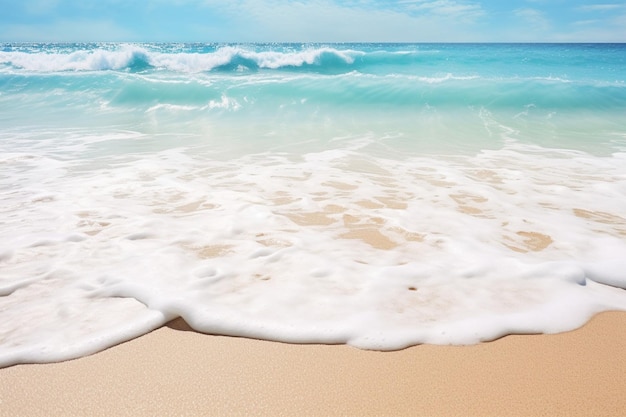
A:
<point x="175" y="371"/>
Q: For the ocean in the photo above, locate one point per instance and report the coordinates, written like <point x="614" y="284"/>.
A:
<point x="376" y="195"/>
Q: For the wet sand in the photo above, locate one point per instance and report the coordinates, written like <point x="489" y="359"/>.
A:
<point x="175" y="371"/>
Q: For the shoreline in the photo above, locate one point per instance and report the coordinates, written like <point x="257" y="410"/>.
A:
<point x="174" y="370"/>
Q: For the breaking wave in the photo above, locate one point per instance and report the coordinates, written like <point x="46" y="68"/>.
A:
<point x="139" y="58"/>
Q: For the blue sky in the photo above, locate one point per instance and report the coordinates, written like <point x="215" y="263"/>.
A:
<point x="313" y="20"/>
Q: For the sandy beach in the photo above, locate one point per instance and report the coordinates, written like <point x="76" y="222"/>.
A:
<point x="381" y="194"/>
<point x="175" y="371"/>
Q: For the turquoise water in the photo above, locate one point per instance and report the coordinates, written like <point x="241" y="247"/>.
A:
<point x="380" y="195"/>
<point x="386" y="89"/>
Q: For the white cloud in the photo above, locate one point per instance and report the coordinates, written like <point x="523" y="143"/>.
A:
<point x="587" y="22"/>
<point x="326" y="21"/>
<point x="600" y="7"/>
<point x="40" y="7"/>
<point x="67" y="30"/>
<point x="607" y="23"/>
<point x="445" y="8"/>
<point x="533" y="18"/>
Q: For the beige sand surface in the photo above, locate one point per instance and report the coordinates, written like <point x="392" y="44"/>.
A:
<point x="172" y="371"/>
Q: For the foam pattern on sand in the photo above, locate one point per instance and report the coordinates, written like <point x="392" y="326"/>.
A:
<point x="333" y="247"/>
<point x="263" y="205"/>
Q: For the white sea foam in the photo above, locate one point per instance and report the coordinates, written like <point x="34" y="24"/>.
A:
<point x="127" y="56"/>
<point x="336" y="246"/>
<point x="380" y="200"/>
<point x="82" y="60"/>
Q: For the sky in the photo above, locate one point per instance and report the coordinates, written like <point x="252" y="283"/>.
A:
<point x="312" y="21"/>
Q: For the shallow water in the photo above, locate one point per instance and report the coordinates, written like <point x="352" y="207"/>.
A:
<point x="376" y="195"/>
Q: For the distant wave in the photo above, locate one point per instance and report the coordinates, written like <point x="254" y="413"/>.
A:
<point x="137" y="58"/>
<point x="233" y="58"/>
<point x="128" y="57"/>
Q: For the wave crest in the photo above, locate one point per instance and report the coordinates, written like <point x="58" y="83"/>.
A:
<point x="127" y="57"/>
<point x="137" y="58"/>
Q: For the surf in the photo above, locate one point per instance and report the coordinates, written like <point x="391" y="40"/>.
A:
<point x="377" y="195"/>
